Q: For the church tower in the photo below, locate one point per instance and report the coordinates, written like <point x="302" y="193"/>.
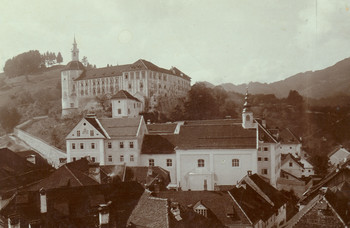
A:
<point x="247" y="114"/>
<point x="69" y="88"/>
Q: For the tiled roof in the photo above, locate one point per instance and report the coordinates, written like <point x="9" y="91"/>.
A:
<point x="340" y="153"/>
<point x="265" y="135"/>
<point x="150" y="212"/>
<point x="253" y="205"/>
<point x="118" y="70"/>
<point x="122" y="94"/>
<point x="219" y="204"/>
<point x="216" y="136"/>
<point x="121" y="127"/>
<point x="288" y="136"/>
<point x="340" y="201"/>
<point x="140" y="174"/>
<point x="105" y="72"/>
<point x="158" y="144"/>
<point x="161" y="128"/>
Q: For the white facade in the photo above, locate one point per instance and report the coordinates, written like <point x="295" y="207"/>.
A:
<point x="298" y="169"/>
<point x="126" y="108"/>
<point x="203" y="169"/>
<point x="269" y="161"/>
<point x="291" y="148"/>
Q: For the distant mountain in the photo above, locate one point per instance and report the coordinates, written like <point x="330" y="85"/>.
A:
<point x="332" y="81"/>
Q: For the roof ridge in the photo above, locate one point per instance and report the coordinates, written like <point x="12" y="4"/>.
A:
<point x="70" y="171"/>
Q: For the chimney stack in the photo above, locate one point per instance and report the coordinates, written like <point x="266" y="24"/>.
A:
<point x="103" y="214"/>
<point x="43" y="200"/>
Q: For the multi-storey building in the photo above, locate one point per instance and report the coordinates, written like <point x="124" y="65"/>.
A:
<point x="144" y="80"/>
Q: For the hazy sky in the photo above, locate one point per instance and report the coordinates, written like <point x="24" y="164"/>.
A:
<point x="218" y="41"/>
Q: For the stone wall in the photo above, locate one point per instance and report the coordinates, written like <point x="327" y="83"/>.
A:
<point x="53" y="155"/>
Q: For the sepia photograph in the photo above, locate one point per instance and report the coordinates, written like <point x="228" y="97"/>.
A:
<point x="175" y="114"/>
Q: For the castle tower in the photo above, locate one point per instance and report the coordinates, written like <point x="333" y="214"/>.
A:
<point x="247" y="114"/>
<point x="69" y="91"/>
<point x="75" y="51"/>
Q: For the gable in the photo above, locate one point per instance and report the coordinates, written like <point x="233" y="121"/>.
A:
<point x="86" y="128"/>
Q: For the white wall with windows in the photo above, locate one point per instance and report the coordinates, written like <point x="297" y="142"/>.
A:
<point x="165" y="161"/>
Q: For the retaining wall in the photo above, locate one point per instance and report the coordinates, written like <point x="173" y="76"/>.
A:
<point x="52" y="154"/>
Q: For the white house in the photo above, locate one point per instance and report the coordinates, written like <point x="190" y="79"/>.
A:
<point x="338" y="156"/>
<point x="125" y="105"/>
<point x="108" y="141"/>
<point x="290" y="143"/>
<point x="297" y="167"/>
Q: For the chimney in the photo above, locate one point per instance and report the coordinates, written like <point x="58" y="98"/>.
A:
<point x="150" y="171"/>
<point x="148" y="121"/>
<point x="94" y="172"/>
<point x="103" y="214"/>
<point x="43" y="200"/>
<point x="175" y="210"/>
<point x="31" y="158"/>
<point x="14" y="222"/>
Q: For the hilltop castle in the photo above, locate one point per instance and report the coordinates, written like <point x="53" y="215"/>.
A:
<point x="142" y="79"/>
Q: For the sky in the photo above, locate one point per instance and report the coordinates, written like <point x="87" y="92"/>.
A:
<point x="223" y="41"/>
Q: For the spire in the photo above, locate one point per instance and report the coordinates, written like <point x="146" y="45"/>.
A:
<point x="75" y="51"/>
<point x="246" y="106"/>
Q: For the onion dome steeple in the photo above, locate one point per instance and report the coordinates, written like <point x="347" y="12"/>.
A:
<point x="246" y="106"/>
<point x="75" y="51"/>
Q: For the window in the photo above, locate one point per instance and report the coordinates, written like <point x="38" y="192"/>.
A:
<point x="151" y="162"/>
<point x="131" y="158"/>
<point x="121" y="144"/>
<point x="235" y="162"/>
<point x="126" y="76"/>
<point x="92" y="145"/>
<point x="92" y="133"/>
<point x="264" y="171"/>
<point x="81" y="145"/>
<point x="74" y="158"/>
<point x="119" y="111"/>
<point x="259" y="149"/>
<point x="131" y="144"/>
<point x="302" y="170"/>
<point x="169" y="162"/>
<point x="129" y="111"/>
<point x="78" y="133"/>
<point x="110" y="159"/>
<point x="290" y="147"/>
<point x="73" y="146"/>
<point x="109" y="144"/>
<point x="129" y="86"/>
<point x="200" y="162"/>
<point x="72" y="105"/>
<point x="309" y="170"/>
<point x="201" y="212"/>
<point x="266" y="159"/>
<point x="93" y="159"/>
<point x="121" y="158"/>
<point x="290" y="164"/>
<point x="266" y="149"/>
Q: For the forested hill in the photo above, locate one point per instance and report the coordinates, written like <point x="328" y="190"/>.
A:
<point x="331" y="81"/>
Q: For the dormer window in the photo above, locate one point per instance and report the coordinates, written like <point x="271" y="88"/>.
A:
<point x="199" y="208"/>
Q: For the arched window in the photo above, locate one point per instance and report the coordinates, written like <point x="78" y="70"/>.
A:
<point x="235" y="162"/>
<point x="201" y="163"/>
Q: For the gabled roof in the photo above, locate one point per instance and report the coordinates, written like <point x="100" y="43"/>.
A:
<point x="264" y="134"/>
<point x="288" y="136"/>
<point x="121" y="127"/>
<point x="141" y="175"/>
<point x="158" y="144"/>
<point x="122" y="94"/>
<point x="290" y="156"/>
<point x="339" y="152"/>
<point x="203" y="136"/>
<point x="94" y="122"/>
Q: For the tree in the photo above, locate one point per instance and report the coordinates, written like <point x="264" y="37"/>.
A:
<point x="9" y="118"/>
<point x="23" y="64"/>
<point x="59" y="58"/>
<point x="294" y="98"/>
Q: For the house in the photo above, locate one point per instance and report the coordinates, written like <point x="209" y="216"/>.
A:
<point x="108" y="141"/>
<point x="142" y="79"/>
<point x="106" y="205"/>
<point x="289" y="182"/>
<point x="125" y="105"/>
<point x="296" y="166"/>
<point x="290" y="143"/>
<point x="329" y="208"/>
<point x="256" y="188"/>
<point x="338" y="156"/>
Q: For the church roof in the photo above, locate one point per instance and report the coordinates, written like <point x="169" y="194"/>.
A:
<point x="74" y="65"/>
<point x="122" y="94"/>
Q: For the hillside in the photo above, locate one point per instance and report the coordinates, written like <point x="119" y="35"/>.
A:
<point x="331" y="81"/>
